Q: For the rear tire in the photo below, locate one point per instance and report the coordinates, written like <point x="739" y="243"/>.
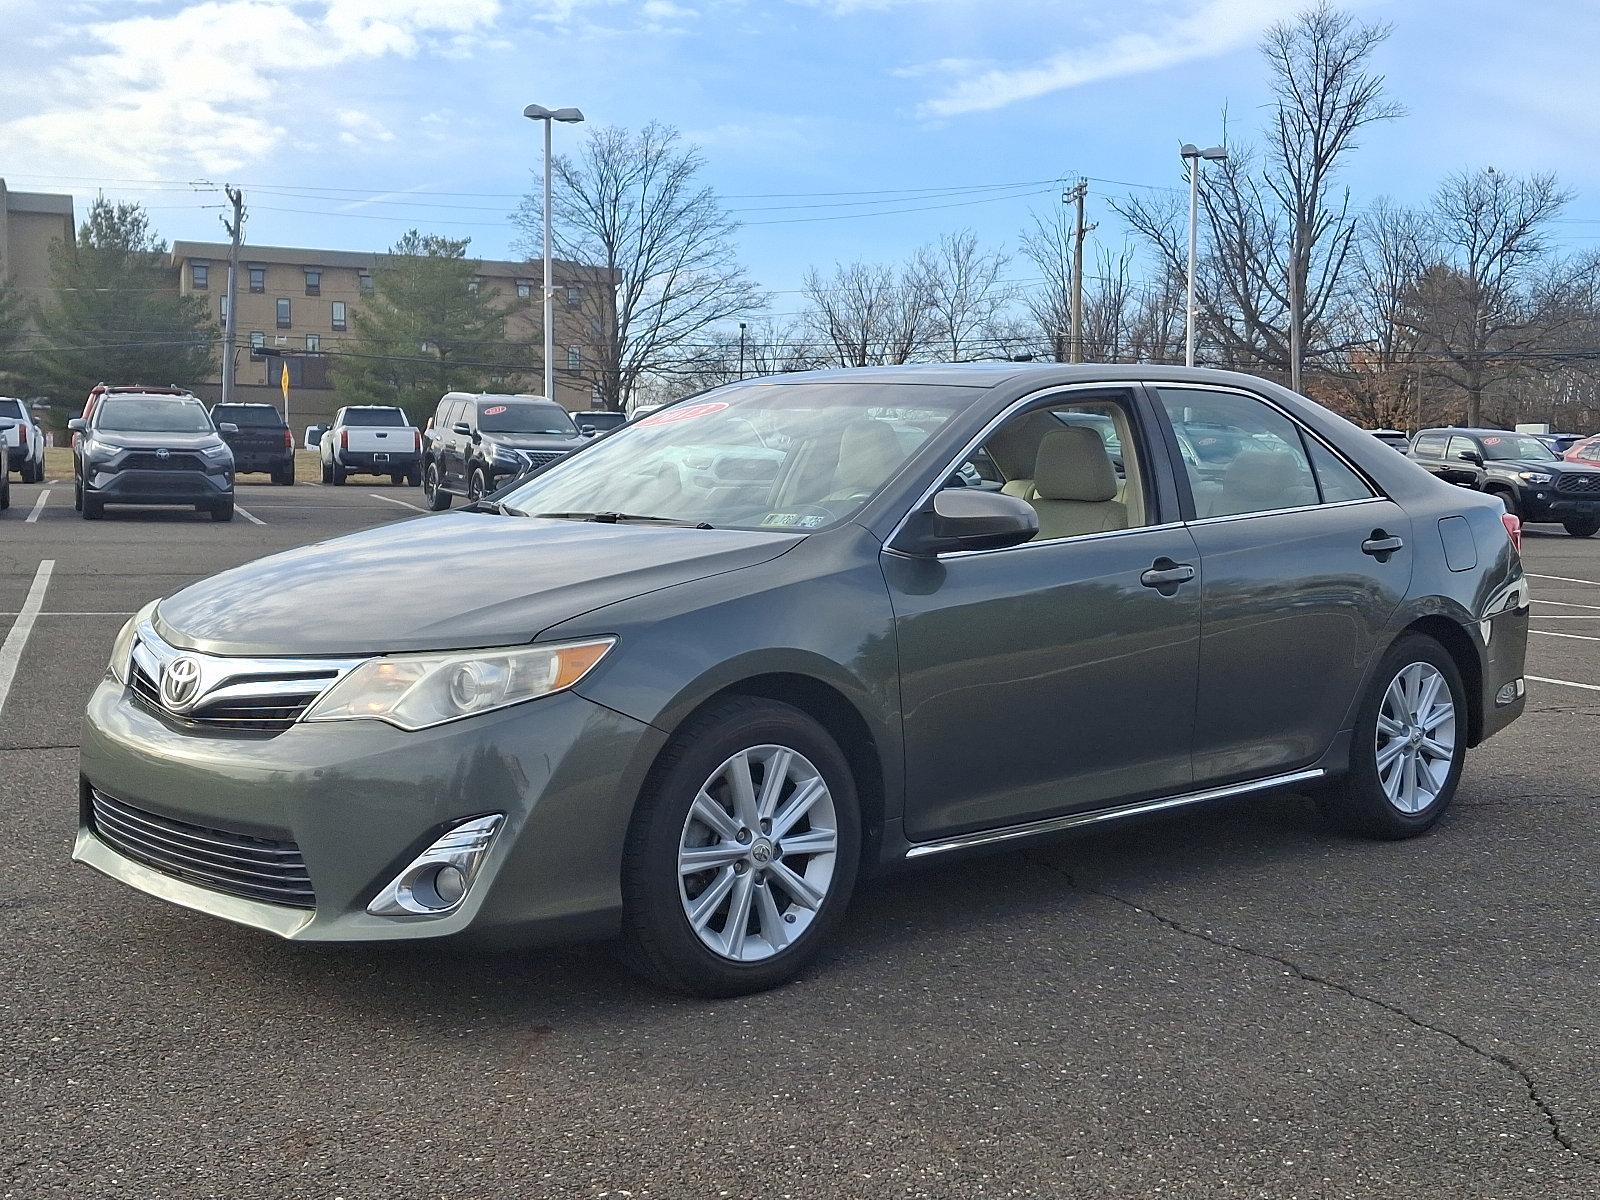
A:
<point x="5" y="492"/>
<point x="336" y="475"/>
<point x="1409" y="744"/>
<point x="284" y="477"/>
<point x="1582" y="527"/>
<point x="718" y="953"/>
<point x="414" y="477"/>
<point x="438" y="499"/>
<point x="93" y="508"/>
<point x="222" y="511"/>
<point x="33" y="473"/>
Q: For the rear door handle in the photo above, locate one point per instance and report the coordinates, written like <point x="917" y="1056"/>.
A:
<point x="1380" y="545"/>
<point x="1165" y="573"/>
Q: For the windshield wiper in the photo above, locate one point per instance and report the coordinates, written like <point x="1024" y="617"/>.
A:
<point x="617" y="518"/>
<point x="494" y="506"/>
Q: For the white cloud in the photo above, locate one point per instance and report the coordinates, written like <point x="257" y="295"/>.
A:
<point x="357" y="128"/>
<point x="1197" y="30"/>
<point x="665" y="10"/>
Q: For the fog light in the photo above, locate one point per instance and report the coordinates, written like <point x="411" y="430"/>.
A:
<point x="1509" y="693"/>
<point x="438" y="880"/>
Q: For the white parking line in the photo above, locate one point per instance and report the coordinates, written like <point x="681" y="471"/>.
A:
<point x="38" y="507"/>
<point x="1564" y="617"/>
<point x="248" y="516"/>
<point x="1564" y="579"/>
<point x="17" y="638"/>
<point x="392" y="500"/>
<point x="53" y="613"/>
<point x="1569" y="604"/>
<point x="1588" y="687"/>
<point x="1577" y="637"/>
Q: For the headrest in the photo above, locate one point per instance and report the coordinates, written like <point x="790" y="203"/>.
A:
<point x="868" y="453"/>
<point x="1260" y="475"/>
<point x="1073" y="465"/>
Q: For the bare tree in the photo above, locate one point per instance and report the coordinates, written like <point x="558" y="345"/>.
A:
<point x="966" y="291"/>
<point x="867" y="314"/>
<point x="1108" y="302"/>
<point x="633" y="205"/>
<point x="1046" y="242"/>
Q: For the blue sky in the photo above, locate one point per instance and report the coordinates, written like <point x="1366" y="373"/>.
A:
<point x="345" y="119"/>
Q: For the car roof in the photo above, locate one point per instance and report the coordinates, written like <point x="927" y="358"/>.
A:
<point x="245" y="404"/>
<point x="995" y="374"/>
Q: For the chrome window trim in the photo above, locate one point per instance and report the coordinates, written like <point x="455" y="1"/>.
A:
<point x="1280" y="512"/>
<point x="1056" y="389"/>
<point x="1008" y="833"/>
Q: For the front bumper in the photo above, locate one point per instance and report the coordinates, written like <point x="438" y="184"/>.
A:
<point x="1554" y="506"/>
<point x="362" y="799"/>
<point x="159" y="487"/>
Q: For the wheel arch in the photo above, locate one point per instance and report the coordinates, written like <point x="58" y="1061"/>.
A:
<point x="1463" y="651"/>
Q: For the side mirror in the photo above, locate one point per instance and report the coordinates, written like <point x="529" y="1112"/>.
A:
<point x="78" y="425"/>
<point x="227" y="427"/>
<point x="314" y="436"/>
<point x="462" y="428"/>
<point x="968" y="519"/>
<point x="587" y="430"/>
<point x="1473" y="457"/>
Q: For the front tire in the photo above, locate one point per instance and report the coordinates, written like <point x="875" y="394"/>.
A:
<point x="438" y="499"/>
<point x="1582" y="526"/>
<point x="92" y="507"/>
<point x="1409" y="744"/>
<point x="336" y="475"/>
<point x="742" y="854"/>
<point x="477" y="486"/>
<point x="222" y="510"/>
<point x="1507" y="499"/>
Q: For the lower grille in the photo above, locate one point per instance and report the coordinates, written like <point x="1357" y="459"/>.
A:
<point x="1579" y="485"/>
<point x="152" y="462"/>
<point x="238" y="864"/>
<point x="240" y="714"/>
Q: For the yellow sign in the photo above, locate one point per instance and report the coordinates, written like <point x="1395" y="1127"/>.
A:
<point x="283" y="382"/>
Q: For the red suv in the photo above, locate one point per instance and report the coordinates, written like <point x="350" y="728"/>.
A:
<point x="1586" y="451"/>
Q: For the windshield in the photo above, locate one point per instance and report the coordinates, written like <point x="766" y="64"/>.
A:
<point x="751" y="456"/>
<point x="374" y="416"/>
<point x="524" y="418"/>
<point x="152" y="414"/>
<point x="1501" y="446"/>
<point x="249" y="416"/>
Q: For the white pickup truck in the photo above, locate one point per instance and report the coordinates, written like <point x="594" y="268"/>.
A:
<point x="24" y="439"/>
<point x="372" y="439"/>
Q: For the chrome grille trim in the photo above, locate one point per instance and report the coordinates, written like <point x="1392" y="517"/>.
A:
<point x="256" y="868"/>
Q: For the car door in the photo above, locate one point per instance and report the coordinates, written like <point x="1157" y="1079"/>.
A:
<point x="1058" y="675"/>
<point x="1463" y="462"/>
<point x="450" y="446"/>
<point x="1303" y="561"/>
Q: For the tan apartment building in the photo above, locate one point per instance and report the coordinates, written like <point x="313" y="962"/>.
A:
<point x="304" y="301"/>
<point x="29" y="223"/>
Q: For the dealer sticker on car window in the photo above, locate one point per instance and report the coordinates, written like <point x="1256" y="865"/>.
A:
<point x="495" y="411"/>
<point x="684" y="412"/>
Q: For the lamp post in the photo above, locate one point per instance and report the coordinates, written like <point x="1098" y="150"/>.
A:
<point x="569" y="116"/>
<point x="1193" y="154"/>
<point x="741" y="349"/>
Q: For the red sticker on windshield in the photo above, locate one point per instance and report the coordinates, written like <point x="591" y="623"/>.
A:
<point x="1491" y="441"/>
<point x="495" y="411"/>
<point x="683" y="412"/>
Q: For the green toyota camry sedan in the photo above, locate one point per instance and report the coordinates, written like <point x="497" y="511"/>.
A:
<point x="685" y="686"/>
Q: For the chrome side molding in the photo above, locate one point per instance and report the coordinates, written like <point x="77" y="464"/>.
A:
<point x="984" y="837"/>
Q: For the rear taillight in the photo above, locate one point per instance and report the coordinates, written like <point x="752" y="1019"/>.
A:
<point x="1513" y="524"/>
<point x="417" y="435"/>
<point x="344" y="439"/>
<point x="288" y="440"/>
<point x="22" y="437"/>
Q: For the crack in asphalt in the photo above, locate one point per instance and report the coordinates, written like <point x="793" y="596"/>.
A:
<point x="1557" y="1134"/>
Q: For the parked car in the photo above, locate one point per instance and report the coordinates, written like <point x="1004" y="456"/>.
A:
<point x="151" y="448"/>
<point x="640" y="411"/>
<point x="24" y="440"/>
<point x="476" y="442"/>
<point x="1586" y="451"/>
<point x="263" y="441"/>
<point x="1529" y="478"/>
<point x="692" y="725"/>
<point x="1397" y="438"/>
<point x="372" y="439"/>
<point x="5" y="473"/>
<point x="600" y="420"/>
<point x="1560" y="442"/>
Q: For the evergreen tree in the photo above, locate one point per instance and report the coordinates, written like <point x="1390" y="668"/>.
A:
<point x="425" y="331"/>
<point x="116" y="314"/>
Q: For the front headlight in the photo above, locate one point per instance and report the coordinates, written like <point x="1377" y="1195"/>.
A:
<point x="99" y="452"/>
<point x="214" y="451"/>
<point x="122" y="648"/>
<point x="417" y="691"/>
<point x="1534" y="477"/>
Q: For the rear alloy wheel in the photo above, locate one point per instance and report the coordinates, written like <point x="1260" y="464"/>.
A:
<point x="1582" y="526"/>
<point x="742" y="855"/>
<point x="1409" y="743"/>
<point x="438" y="499"/>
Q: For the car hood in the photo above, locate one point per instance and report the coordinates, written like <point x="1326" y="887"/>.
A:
<point x="533" y="441"/>
<point x="156" y="441"/>
<point x="1550" y="466"/>
<point x="447" y="582"/>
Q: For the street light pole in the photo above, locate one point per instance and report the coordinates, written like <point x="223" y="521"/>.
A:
<point x="741" y="349"/>
<point x="1194" y="154"/>
<point x="537" y="112"/>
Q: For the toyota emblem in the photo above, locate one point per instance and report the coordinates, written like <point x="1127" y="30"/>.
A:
<point x="180" y="683"/>
<point x="163" y="453"/>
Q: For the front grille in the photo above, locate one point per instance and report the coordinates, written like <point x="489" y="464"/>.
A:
<point x="539" y="458"/>
<point x="256" y="868"/>
<point x="242" y="714"/>
<point x="150" y="462"/>
<point x="1579" y="485"/>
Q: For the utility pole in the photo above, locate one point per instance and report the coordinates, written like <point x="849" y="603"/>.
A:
<point x="1079" y="231"/>
<point x="230" y="321"/>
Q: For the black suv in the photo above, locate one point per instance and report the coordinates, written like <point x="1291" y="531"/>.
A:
<point x="1530" y="479"/>
<point x="475" y="443"/>
<point x="151" y="448"/>
<point x="261" y="441"/>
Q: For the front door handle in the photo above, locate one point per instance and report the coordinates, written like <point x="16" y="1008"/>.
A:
<point x="1381" y="545"/>
<point x="1165" y="575"/>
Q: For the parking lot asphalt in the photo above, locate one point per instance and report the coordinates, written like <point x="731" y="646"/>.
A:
<point x="1229" y="1002"/>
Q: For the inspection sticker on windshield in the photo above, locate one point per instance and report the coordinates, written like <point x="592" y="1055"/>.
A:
<point x="795" y="520"/>
<point x="683" y="412"/>
<point x="495" y="411"/>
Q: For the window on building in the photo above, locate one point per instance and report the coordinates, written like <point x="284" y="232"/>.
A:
<point x="524" y="289"/>
<point x="283" y="312"/>
<point x="472" y="286"/>
<point x="365" y="281"/>
<point x="199" y="276"/>
<point x="258" y="340"/>
<point x="313" y="281"/>
<point x="222" y="307"/>
<point x="574" y="296"/>
<point x="258" y="279"/>
<point x="313" y="342"/>
<point x="339" y="316"/>
<point x="574" y="358"/>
